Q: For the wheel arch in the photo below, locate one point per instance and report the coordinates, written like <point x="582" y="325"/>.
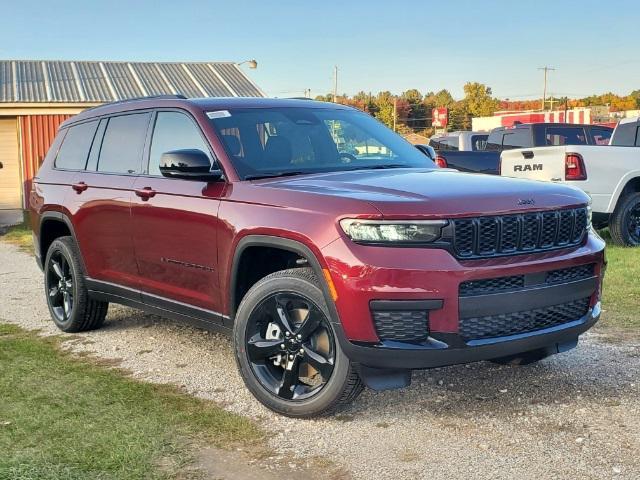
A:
<point x="54" y="225"/>
<point x="630" y="183"/>
<point x="279" y="243"/>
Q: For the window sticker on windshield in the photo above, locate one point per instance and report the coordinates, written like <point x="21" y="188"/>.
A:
<point x="218" y="114"/>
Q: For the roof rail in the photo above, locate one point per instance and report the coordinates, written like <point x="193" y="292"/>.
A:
<point x="133" y="99"/>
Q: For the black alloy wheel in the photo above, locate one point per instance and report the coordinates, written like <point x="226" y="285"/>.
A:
<point x="290" y="346"/>
<point x="70" y="305"/>
<point x="60" y="287"/>
<point x="633" y="224"/>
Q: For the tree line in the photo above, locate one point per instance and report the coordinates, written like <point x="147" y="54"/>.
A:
<point x="410" y="112"/>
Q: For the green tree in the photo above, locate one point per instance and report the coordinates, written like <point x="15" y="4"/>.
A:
<point x="478" y="100"/>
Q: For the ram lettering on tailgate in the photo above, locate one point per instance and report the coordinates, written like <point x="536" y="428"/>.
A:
<point x="527" y="168"/>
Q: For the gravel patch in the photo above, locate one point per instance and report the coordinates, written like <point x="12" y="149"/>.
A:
<point x="575" y="415"/>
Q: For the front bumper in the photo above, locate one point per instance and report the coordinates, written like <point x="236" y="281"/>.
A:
<point x="450" y="349"/>
<point x="369" y="276"/>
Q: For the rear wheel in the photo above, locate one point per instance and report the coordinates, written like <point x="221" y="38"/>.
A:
<point x="67" y="297"/>
<point x="625" y="221"/>
<point x="286" y="347"/>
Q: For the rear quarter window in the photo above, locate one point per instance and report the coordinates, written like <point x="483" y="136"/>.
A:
<point x="75" y="146"/>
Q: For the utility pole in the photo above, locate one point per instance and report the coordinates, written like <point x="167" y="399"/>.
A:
<point x="546" y="69"/>
<point x="335" y="84"/>
<point x="395" y="112"/>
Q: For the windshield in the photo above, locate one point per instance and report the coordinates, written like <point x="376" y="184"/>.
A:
<point x="264" y="142"/>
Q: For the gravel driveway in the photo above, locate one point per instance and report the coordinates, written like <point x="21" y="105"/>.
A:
<point x="576" y="415"/>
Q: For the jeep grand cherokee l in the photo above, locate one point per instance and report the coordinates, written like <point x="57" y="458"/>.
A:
<point x="334" y="253"/>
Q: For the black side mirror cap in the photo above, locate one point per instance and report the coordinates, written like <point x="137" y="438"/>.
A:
<point x="427" y="150"/>
<point x="188" y="164"/>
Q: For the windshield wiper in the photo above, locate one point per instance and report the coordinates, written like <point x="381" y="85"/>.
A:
<point x="273" y="175"/>
<point x="380" y="167"/>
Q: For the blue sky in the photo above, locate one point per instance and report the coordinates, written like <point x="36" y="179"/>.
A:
<point x="377" y="45"/>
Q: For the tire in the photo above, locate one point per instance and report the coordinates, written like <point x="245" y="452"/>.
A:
<point x="292" y="298"/>
<point x="526" y="358"/>
<point x="64" y="279"/>
<point x="624" y="224"/>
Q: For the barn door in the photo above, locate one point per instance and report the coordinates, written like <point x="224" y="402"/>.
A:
<point x="10" y="183"/>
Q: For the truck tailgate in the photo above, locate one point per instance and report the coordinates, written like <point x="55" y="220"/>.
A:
<point x="541" y="163"/>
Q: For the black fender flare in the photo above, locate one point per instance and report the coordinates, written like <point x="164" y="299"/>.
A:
<point x="58" y="217"/>
<point x="285" y="244"/>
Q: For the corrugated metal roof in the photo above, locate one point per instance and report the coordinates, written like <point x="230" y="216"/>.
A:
<point x="30" y="81"/>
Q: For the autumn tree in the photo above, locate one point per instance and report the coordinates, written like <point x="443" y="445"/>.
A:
<point x="478" y="100"/>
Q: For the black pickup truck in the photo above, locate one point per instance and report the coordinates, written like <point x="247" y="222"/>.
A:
<point x="524" y="135"/>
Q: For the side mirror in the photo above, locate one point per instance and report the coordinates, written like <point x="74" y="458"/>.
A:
<point x="427" y="150"/>
<point x="188" y="164"/>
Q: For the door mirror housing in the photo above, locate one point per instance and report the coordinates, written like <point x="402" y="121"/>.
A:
<point x="188" y="164"/>
<point x="427" y="150"/>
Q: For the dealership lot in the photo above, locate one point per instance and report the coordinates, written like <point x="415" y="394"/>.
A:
<point x="580" y="411"/>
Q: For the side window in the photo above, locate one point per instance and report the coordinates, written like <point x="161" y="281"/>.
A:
<point x="452" y="143"/>
<point x="565" y="136"/>
<point x="75" y="147"/>
<point x="123" y="143"/>
<point x="92" y="163"/>
<point x="516" y="138"/>
<point x="173" y="131"/>
<point x="601" y="136"/>
<point x="478" y="142"/>
<point x="625" y="135"/>
<point x="494" y="141"/>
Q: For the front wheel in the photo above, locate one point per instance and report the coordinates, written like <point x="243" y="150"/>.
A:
<point x="624" y="224"/>
<point x="286" y="347"/>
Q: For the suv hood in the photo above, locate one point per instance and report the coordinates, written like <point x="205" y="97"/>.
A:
<point x="434" y="192"/>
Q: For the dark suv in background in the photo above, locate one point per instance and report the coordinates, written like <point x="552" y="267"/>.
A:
<point x="332" y="251"/>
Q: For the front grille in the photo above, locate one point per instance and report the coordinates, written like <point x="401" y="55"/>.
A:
<point x="401" y="325"/>
<point x="502" y="325"/>
<point x="571" y="274"/>
<point x="483" y="237"/>
<point x="518" y="282"/>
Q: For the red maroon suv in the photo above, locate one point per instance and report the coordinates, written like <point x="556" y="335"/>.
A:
<point x="334" y="252"/>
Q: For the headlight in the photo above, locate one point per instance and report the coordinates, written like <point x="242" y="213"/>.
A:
<point x="392" y="231"/>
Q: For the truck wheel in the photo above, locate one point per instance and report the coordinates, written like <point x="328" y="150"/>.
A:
<point x="526" y="358"/>
<point x="625" y="221"/>
<point x="286" y="347"/>
<point x="67" y="297"/>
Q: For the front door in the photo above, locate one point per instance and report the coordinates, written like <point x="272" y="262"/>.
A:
<point x="175" y="223"/>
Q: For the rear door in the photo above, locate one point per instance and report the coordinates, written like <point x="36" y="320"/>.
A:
<point x="102" y="204"/>
<point x="175" y="223"/>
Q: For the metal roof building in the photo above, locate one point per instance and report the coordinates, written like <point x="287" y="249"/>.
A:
<point x="36" y="96"/>
<point x="33" y="81"/>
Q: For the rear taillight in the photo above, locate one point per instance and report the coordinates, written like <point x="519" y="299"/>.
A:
<point x="574" y="167"/>
<point x="441" y="161"/>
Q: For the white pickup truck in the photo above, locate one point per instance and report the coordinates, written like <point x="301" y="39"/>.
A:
<point x="610" y="174"/>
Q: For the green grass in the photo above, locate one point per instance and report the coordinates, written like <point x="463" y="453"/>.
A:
<point x="621" y="294"/>
<point x="65" y="418"/>
<point x="20" y="235"/>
